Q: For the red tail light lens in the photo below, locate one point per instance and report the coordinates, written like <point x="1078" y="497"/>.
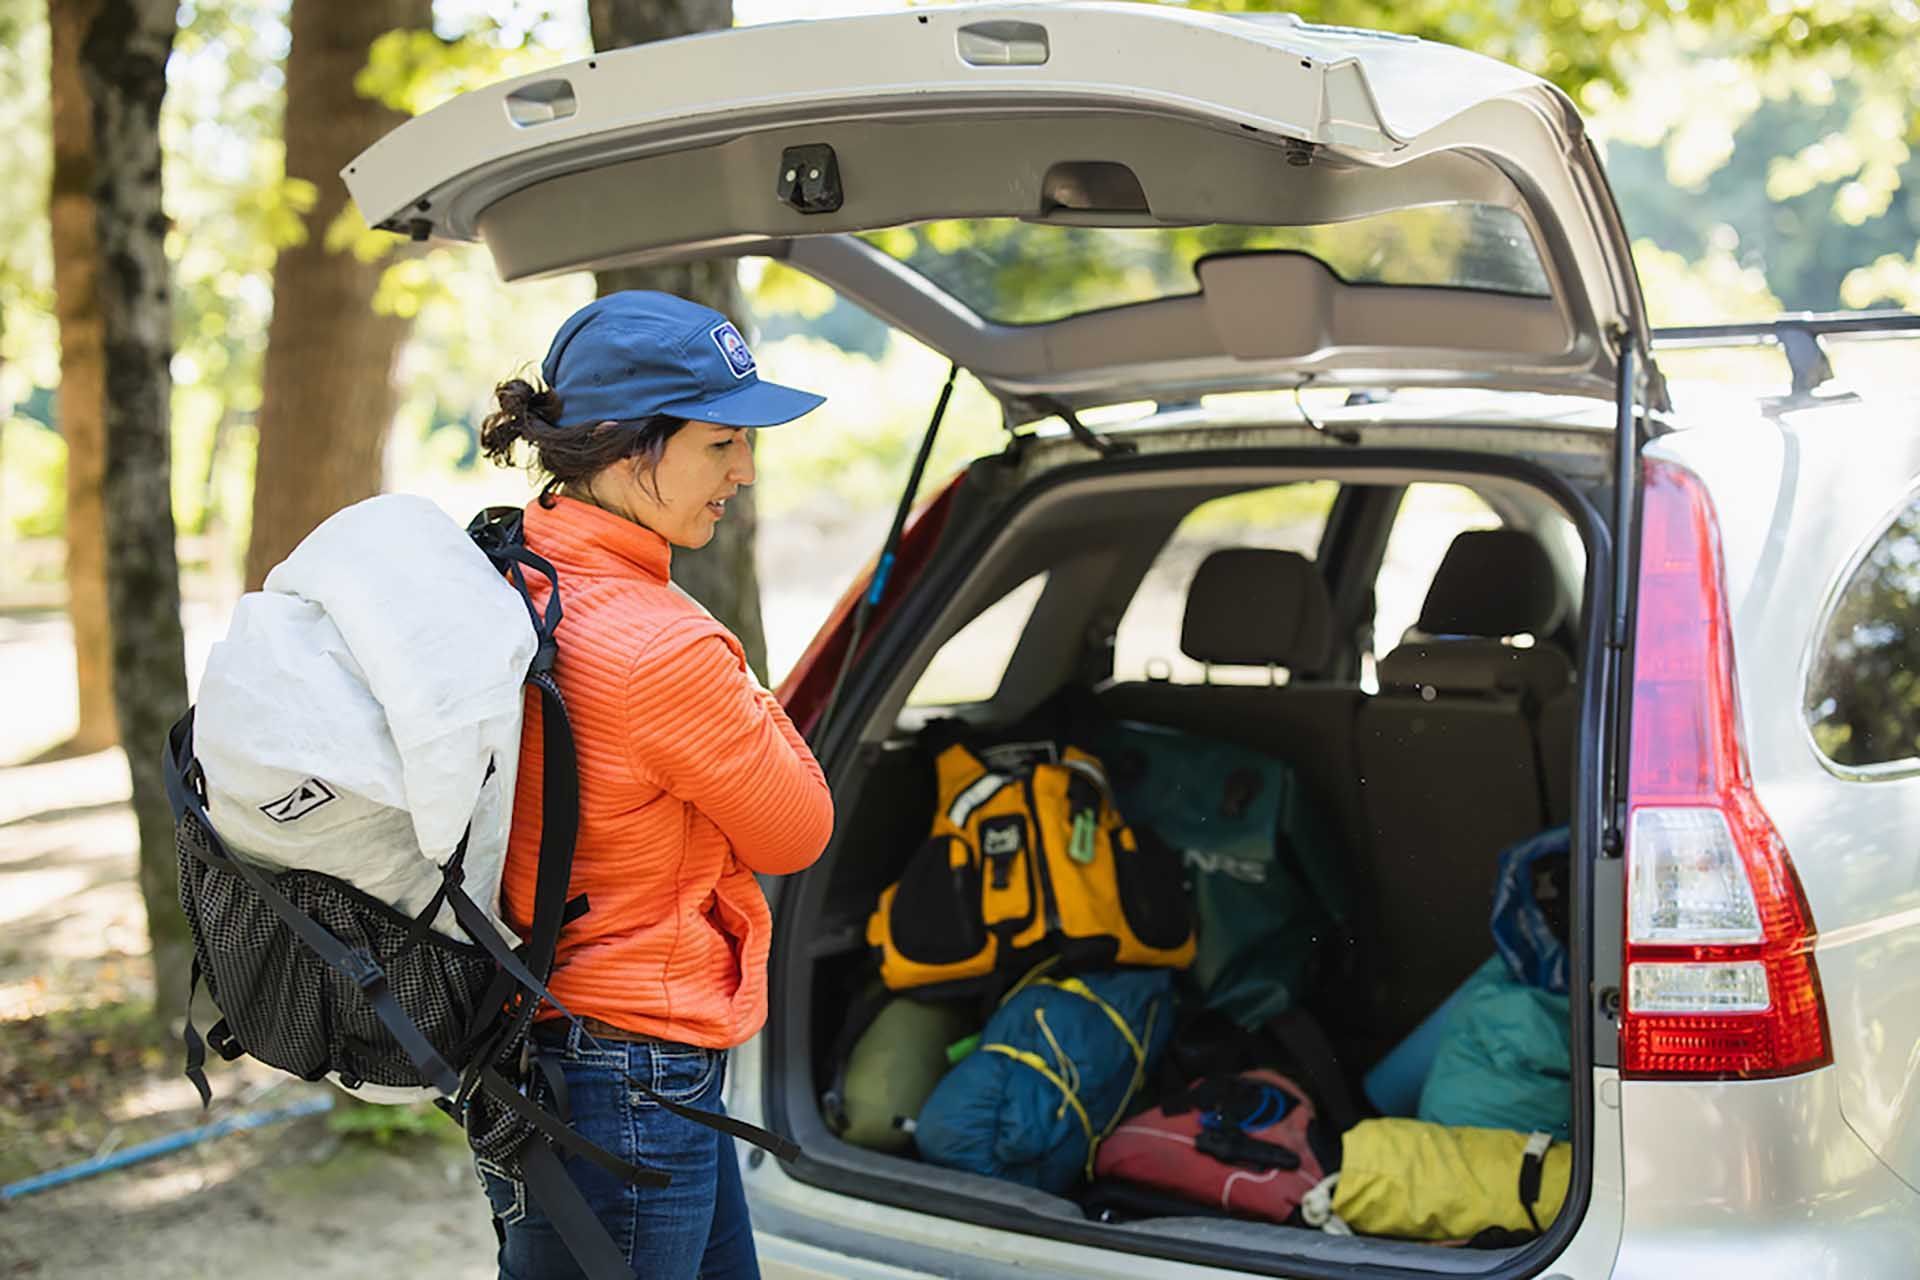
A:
<point x="1721" y="982"/>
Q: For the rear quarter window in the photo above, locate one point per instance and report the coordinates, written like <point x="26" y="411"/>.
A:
<point x="1863" y="689"/>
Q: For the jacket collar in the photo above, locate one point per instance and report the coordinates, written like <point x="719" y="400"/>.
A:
<point x="586" y="539"/>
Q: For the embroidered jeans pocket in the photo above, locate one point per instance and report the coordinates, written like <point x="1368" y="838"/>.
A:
<point x="681" y="1074"/>
<point x="507" y="1194"/>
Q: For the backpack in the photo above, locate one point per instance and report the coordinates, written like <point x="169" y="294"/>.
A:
<point x="1028" y="860"/>
<point x="1249" y="1144"/>
<point x="324" y="977"/>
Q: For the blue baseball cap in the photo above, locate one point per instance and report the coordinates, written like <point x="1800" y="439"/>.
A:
<point x="638" y="353"/>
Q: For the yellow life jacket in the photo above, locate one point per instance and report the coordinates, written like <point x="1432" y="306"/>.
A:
<point x="1026" y="862"/>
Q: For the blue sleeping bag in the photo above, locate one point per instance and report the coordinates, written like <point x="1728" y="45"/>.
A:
<point x="1057" y="1065"/>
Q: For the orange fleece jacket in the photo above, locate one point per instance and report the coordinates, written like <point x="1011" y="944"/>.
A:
<point x="692" y="779"/>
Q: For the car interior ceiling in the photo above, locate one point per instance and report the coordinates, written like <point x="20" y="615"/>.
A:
<point x="1465" y="748"/>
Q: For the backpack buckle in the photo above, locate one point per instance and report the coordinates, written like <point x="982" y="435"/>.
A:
<point x="365" y="971"/>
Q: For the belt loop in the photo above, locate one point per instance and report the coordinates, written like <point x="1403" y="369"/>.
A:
<point x="573" y="1038"/>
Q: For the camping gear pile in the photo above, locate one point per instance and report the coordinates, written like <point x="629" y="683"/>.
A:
<point x="1094" y="979"/>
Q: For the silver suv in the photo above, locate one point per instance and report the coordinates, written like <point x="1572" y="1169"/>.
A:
<point x="1538" y="594"/>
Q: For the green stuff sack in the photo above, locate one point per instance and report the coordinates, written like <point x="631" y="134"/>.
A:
<point x="1418" y="1181"/>
<point x="892" y="1068"/>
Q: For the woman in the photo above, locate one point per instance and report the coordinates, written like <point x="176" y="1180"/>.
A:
<point x="692" y="779"/>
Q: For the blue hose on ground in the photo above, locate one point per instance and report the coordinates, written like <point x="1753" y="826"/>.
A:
<point x="163" y="1146"/>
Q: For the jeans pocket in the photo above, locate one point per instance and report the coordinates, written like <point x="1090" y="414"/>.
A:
<point x="506" y="1193"/>
<point x="681" y="1073"/>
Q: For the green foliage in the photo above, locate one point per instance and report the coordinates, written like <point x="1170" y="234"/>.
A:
<point x="27" y="334"/>
<point x="415" y="71"/>
<point x="386" y="1126"/>
<point x="33" y="479"/>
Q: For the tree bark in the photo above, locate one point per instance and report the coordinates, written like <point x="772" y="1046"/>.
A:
<point x="82" y="373"/>
<point x="123" y="60"/>
<point x="720" y="575"/>
<point x="327" y="395"/>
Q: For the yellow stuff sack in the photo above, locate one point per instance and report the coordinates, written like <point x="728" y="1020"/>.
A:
<point x="1026" y="862"/>
<point x="1414" y="1180"/>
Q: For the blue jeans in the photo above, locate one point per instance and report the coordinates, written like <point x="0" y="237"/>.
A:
<point x="694" y="1229"/>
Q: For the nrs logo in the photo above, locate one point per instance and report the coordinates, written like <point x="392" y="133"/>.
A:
<point x="1245" y="870"/>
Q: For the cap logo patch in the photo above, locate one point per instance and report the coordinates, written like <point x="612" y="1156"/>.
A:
<point x="734" y="348"/>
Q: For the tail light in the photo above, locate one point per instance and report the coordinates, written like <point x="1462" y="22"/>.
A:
<point x="1721" y="982"/>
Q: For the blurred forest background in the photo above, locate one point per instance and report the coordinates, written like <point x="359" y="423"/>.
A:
<point x="1762" y="152"/>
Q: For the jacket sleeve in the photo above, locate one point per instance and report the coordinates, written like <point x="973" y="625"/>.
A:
<point x="701" y="728"/>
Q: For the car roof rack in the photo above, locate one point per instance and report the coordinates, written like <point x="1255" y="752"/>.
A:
<point x="1799" y="338"/>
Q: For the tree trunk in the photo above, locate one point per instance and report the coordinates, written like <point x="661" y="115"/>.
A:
<point x="720" y="575"/>
<point x="327" y="395"/>
<point x="82" y="373"/>
<point x="123" y="60"/>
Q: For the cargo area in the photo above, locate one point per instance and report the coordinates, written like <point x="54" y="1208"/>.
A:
<point x="1342" y="706"/>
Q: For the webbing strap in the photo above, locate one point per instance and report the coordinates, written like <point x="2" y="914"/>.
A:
<point x="196" y="1047"/>
<point x="476" y="924"/>
<point x="356" y="964"/>
<point x="567" y="1139"/>
<point x="573" y="1219"/>
<point x="1533" y="1164"/>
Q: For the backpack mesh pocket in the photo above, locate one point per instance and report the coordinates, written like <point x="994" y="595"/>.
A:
<point x="291" y="1009"/>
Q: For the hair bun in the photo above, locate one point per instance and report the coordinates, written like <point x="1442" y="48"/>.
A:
<point x="524" y="412"/>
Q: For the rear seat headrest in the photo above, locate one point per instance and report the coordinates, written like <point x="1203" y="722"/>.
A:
<point x="1493" y="582"/>
<point x="1254" y="607"/>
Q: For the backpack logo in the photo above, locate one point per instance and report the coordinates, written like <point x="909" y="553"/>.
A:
<point x="734" y="348"/>
<point x="1003" y="837"/>
<point x="299" y="802"/>
<point x="1245" y="870"/>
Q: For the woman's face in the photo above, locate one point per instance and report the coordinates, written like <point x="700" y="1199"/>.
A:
<point x="685" y="496"/>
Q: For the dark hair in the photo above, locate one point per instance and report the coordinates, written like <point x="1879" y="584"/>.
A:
<point x="566" y="454"/>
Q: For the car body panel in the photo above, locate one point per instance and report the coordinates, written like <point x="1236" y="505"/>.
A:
<point x="1789" y="546"/>
<point x="673" y="149"/>
<point x="1761" y="1179"/>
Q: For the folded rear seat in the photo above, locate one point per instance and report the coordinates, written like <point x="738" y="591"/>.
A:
<point x="1450" y="762"/>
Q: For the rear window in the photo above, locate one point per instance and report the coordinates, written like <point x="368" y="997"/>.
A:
<point x="1288" y="517"/>
<point x="1016" y="272"/>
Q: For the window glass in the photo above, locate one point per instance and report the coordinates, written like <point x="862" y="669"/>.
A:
<point x="1863" y="697"/>
<point x="1287" y="517"/>
<point x="1430" y="516"/>
<point x="1018" y="272"/>
<point x="969" y="666"/>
